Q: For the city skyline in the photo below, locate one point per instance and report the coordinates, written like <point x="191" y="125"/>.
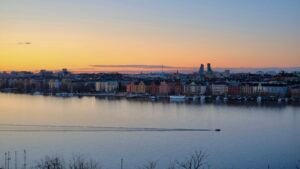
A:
<point x="140" y="68"/>
<point x="230" y="34"/>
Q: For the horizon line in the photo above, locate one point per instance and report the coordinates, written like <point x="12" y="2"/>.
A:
<point x="152" y="68"/>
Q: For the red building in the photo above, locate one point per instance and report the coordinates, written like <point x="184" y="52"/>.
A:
<point x="234" y="90"/>
<point x="137" y="87"/>
<point x="131" y="87"/>
<point x="154" y="88"/>
<point x="164" y="88"/>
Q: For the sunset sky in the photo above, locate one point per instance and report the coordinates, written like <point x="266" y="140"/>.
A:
<point x="76" y="34"/>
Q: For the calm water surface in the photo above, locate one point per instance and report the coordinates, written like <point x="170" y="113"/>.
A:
<point x="251" y="136"/>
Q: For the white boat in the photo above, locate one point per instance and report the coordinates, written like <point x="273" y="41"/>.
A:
<point x="37" y="93"/>
<point x="132" y="96"/>
<point x="64" y="94"/>
<point x="279" y="100"/>
<point x="153" y="98"/>
<point x="177" y="98"/>
<point x="258" y="99"/>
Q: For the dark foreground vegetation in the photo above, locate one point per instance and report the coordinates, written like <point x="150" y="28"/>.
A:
<point x="197" y="160"/>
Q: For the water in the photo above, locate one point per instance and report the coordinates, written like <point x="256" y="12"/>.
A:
<point x="251" y="136"/>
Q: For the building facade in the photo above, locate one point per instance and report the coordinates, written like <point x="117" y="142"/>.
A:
<point x="107" y="86"/>
<point x="219" y="89"/>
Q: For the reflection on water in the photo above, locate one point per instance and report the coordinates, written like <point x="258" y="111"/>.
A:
<point x="251" y="136"/>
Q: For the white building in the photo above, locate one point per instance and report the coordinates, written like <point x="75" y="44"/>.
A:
<point x="271" y="89"/>
<point x="54" y="84"/>
<point x="107" y="86"/>
<point x="219" y="89"/>
<point x="194" y="89"/>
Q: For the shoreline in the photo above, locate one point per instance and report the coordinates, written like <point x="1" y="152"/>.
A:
<point x="201" y="99"/>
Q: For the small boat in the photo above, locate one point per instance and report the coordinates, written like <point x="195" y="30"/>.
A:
<point x="258" y="99"/>
<point x="37" y="93"/>
<point x="131" y="96"/>
<point x="279" y="100"/>
<point x="64" y="94"/>
<point x="153" y="98"/>
<point x="177" y="98"/>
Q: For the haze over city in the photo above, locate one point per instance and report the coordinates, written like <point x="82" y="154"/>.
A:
<point x="80" y="35"/>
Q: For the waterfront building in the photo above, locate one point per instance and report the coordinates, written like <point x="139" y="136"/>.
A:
<point x="79" y="86"/>
<point x="122" y="85"/>
<point x="107" y="86"/>
<point x="275" y="89"/>
<point x="258" y="89"/>
<point x="136" y="87"/>
<point x="247" y="89"/>
<point x="234" y="89"/>
<point x="164" y="88"/>
<point x="54" y="84"/>
<point x="3" y="83"/>
<point x="100" y="86"/>
<point x="270" y="89"/>
<point x="35" y="84"/>
<point x="194" y="89"/>
<point x="153" y="88"/>
<point x="203" y="89"/>
<point x="66" y="85"/>
<point x="237" y="84"/>
<point x="131" y="87"/>
<point x="219" y="89"/>
<point x="141" y="88"/>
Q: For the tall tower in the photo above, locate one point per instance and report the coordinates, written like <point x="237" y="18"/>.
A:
<point x="209" y="70"/>
<point x="201" y="72"/>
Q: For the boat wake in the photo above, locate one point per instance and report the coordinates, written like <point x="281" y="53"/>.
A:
<point x="62" y="128"/>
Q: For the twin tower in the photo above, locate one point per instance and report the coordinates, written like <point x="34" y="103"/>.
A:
<point x="202" y="71"/>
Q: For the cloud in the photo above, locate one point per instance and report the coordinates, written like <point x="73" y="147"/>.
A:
<point x="141" y="66"/>
<point x="24" y="43"/>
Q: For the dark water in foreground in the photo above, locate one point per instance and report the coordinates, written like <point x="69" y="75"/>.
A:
<point x="251" y="136"/>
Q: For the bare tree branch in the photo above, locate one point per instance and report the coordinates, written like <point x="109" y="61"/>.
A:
<point x="50" y="163"/>
<point x="150" y="165"/>
<point x="196" y="161"/>
<point x="79" y="162"/>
